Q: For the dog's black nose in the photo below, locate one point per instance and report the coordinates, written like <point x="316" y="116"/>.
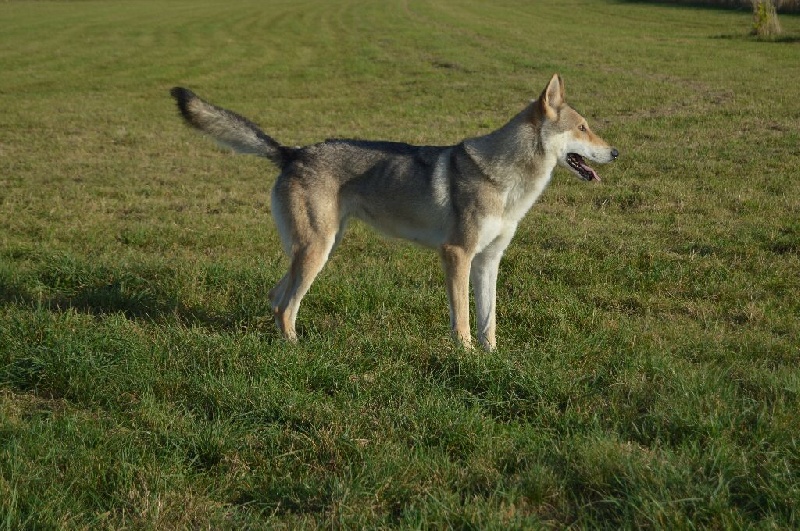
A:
<point x="614" y="153"/>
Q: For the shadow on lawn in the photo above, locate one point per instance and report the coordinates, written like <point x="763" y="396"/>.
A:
<point x="785" y="7"/>
<point x="136" y="297"/>
<point x="786" y="39"/>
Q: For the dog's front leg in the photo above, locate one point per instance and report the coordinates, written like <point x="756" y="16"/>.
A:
<point x="456" y="263"/>
<point x="484" y="282"/>
<point x="483" y="276"/>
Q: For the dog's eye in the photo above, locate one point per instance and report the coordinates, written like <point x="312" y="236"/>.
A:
<point x="582" y="127"/>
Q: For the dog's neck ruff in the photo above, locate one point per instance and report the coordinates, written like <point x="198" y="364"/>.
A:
<point x="514" y="158"/>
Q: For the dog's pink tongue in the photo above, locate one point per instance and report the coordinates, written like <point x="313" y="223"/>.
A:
<point x="595" y="176"/>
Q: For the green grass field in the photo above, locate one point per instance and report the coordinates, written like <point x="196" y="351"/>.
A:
<point x="648" y="373"/>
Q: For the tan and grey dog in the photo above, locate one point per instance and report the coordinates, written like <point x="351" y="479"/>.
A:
<point x="464" y="200"/>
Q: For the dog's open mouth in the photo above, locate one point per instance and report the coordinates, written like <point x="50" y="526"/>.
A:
<point x="583" y="170"/>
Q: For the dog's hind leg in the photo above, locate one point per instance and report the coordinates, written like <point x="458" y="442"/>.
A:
<point x="276" y="293"/>
<point x="307" y="261"/>
<point x="310" y="226"/>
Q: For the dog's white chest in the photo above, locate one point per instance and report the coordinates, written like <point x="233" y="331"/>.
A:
<point x="520" y="199"/>
<point x="492" y="227"/>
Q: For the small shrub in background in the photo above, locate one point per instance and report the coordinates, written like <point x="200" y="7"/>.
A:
<point x="765" y="18"/>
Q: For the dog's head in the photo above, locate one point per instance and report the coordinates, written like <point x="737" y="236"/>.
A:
<point x="565" y="133"/>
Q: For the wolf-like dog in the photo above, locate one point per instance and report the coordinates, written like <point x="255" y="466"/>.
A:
<point x="463" y="200"/>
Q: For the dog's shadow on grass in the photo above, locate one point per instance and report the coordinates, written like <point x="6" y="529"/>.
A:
<point x="139" y="302"/>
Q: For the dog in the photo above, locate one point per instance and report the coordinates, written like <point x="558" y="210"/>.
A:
<point x="464" y="200"/>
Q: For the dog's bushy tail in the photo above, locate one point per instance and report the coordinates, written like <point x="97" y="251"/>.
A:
<point x="229" y="128"/>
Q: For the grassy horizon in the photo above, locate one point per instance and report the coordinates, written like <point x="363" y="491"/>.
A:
<point x="647" y="370"/>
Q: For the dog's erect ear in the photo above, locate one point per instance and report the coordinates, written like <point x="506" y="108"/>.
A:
<point x="552" y="97"/>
